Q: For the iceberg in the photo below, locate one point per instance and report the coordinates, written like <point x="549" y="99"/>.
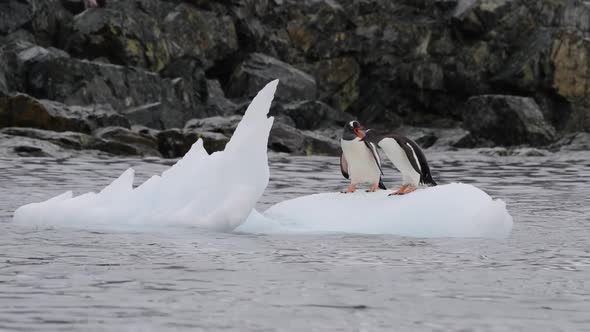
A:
<point x="219" y="192"/>
<point x="216" y="191"/>
<point x="452" y="210"/>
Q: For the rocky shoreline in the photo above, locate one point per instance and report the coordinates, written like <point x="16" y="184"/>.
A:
<point x="149" y="77"/>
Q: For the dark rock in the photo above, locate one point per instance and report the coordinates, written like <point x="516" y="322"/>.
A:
<point x="337" y="81"/>
<point x="310" y="115"/>
<point x="470" y="141"/>
<point x="152" y="33"/>
<point x="3" y="85"/>
<point x="69" y="141"/>
<point x="172" y="143"/>
<point x="573" y="142"/>
<point x="217" y="103"/>
<point x="317" y="144"/>
<point x="427" y="140"/>
<point x="18" y="55"/>
<point x="125" y="141"/>
<point x="11" y="146"/>
<point x="284" y="138"/>
<point x="74" y="6"/>
<point x="214" y="131"/>
<point x="200" y="33"/>
<point x="259" y="69"/>
<point x="24" y="111"/>
<point x="124" y="35"/>
<point x="30" y="151"/>
<point x="190" y="83"/>
<point x="51" y="23"/>
<point x="217" y="124"/>
<point x="14" y="14"/>
<point x="154" y="115"/>
<point x="175" y="143"/>
<point x="212" y="141"/>
<point x="507" y="120"/>
<point x="76" y="82"/>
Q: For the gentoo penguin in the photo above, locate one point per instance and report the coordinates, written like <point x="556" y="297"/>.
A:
<point x="407" y="157"/>
<point x="359" y="161"/>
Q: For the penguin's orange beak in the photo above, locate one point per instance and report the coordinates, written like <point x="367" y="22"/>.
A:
<point x="360" y="133"/>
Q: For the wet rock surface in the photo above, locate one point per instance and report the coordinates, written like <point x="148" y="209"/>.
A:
<point x="507" y="120"/>
<point x="448" y="73"/>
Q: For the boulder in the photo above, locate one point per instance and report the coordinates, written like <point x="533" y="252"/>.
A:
<point x="19" y="54"/>
<point x="172" y="143"/>
<point x="200" y="33"/>
<point x="175" y="143"/>
<point x="284" y="138"/>
<point x="217" y="103"/>
<point x="317" y="144"/>
<point x="217" y="124"/>
<point x="79" y="82"/>
<point x="67" y="140"/>
<point x="24" y="111"/>
<point x="51" y="23"/>
<point x="259" y="69"/>
<point x="151" y="34"/>
<point x="124" y="35"/>
<point x="14" y="14"/>
<point x="310" y="115"/>
<point x="11" y="146"/>
<point x="154" y="115"/>
<point x="212" y="141"/>
<point x="507" y="120"/>
<point x="190" y="84"/>
<point x="125" y="141"/>
<point x="337" y="80"/>
<point x="38" y="142"/>
<point x="579" y="141"/>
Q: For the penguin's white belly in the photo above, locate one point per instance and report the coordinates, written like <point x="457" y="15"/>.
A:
<point x="362" y="167"/>
<point x="400" y="160"/>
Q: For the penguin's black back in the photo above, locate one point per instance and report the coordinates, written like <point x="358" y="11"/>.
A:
<point x="425" y="175"/>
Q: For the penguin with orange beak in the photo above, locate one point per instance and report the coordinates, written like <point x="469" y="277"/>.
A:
<point x="359" y="161"/>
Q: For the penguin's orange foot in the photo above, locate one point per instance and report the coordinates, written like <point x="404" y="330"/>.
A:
<point x="373" y="188"/>
<point x="350" y="189"/>
<point x="410" y="189"/>
<point x="400" y="191"/>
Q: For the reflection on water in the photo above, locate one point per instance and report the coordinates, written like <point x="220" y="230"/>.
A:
<point x="537" y="280"/>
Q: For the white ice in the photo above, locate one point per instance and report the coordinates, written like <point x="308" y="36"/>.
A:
<point x="219" y="192"/>
<point x="216" y="191"/>
<point x="452" y="210"/>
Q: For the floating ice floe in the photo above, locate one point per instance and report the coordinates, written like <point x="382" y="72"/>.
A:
<point x="219" y="192"/>
<point x="216" y="191"/>
<point x="452" y="210"/>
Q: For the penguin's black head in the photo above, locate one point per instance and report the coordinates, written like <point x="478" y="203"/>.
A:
<point x="352" y="131"/>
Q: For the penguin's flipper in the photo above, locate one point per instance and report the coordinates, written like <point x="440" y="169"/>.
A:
<point x="373" y="149"/>
<point x="344" y="166"/>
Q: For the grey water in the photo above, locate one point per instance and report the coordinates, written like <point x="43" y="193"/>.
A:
<point x="82" y="280"/>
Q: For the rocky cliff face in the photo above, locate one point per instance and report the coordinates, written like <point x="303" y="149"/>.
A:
<point x="492" y="72"/>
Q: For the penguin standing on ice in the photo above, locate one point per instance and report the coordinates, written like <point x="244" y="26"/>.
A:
<point x="359" y="161"/>
<point x="407" y="157"/>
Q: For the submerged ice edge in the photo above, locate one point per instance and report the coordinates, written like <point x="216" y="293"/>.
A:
<point x="216" y="191"/>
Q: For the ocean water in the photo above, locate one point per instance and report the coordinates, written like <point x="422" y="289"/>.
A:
<point x="187" y="279"/>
